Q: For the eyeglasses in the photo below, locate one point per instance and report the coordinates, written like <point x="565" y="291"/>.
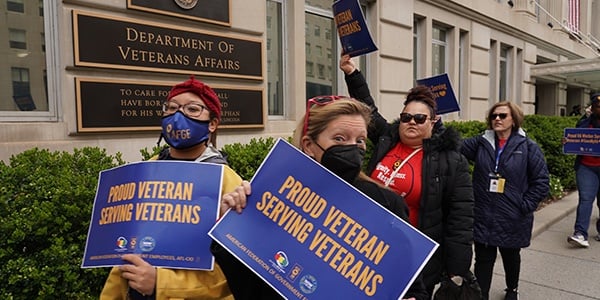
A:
<point x="319" y="100"/>
<point x="192" y="109"/>
<point x="501" y="115"/>
<point x="419" y="118"/>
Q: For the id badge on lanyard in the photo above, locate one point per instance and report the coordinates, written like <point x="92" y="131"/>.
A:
<point x="496" y="180"/>
<point x="496" y="183"/>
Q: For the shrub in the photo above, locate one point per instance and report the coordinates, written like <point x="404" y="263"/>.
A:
<point x="547" y="132"/>
<point x="556" y="188"/>
<point x="46" y="201"/>
<point x="147" y="154"/>
<point x="246" y="158"/>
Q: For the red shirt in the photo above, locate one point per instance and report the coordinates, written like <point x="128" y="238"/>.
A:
<point x="590" y="161"/>
<point x="407" y="181"/>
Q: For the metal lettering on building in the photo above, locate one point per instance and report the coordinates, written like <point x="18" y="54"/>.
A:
<point x="130" y="44"/>
<point x="111" y="105"/>
<point x="209" y="11"/>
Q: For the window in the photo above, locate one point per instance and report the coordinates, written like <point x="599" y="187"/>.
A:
<point x="416" y="49"/>
<point x="319" y="50"/>
<point x="321" y="71"/>
<point x="17" y="39"/>
<point x="310" y="66"/>
<point x="30" y="79"/>
<point x="503" y="74"/>
<point x="463" y="70"/>
<point x="318" y="14"/>
<point x="275" y="64"/>
<point x="21" y="92"/>
<point x="438" y="50"/>
<point x="15" y="5"/>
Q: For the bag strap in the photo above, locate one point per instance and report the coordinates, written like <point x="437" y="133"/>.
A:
<point x="389" y="180"/>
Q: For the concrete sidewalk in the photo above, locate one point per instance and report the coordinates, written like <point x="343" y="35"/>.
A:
<point x="551" y="268"/>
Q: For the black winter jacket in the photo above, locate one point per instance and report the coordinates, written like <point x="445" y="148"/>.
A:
<point x="446" y="207"/>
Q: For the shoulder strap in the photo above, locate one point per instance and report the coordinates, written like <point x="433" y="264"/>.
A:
<point x="387" y="182"/>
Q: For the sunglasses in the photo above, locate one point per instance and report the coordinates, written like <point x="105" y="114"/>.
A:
<point x="419" y="118"/>
<point x="501" y="115"/>
<point x="320" y="101"/>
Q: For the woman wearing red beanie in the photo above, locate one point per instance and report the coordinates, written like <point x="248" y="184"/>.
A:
<point x="191" y="114"/>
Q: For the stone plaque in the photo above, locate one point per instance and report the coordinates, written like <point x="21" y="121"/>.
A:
<point x="109" y="105"/>
<point x="129" y="44"/>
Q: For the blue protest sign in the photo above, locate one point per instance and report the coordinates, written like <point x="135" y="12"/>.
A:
<point x="443" y="93"/>
<point x="309" y="234"/>
<point x="582" y="141"/>
<point x="352" y="29"/>
<point x="161" y="210"/>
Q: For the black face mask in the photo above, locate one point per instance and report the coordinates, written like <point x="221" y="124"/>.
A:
<point x="343" y="160"/>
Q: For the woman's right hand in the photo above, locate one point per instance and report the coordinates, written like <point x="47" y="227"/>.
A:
<point x="347" y="65"/>
<point x="236" y="199"/>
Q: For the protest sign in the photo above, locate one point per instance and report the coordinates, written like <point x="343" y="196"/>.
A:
<point x="352" y="29"/>
<point x="443" y="93"/>
<point x="310" y="235"/>
<point x="582" y="141"/>
<point x="161" y="210"/>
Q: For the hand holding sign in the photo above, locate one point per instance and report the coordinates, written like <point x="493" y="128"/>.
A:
<point x="309" y="234"/>
<point x="352" y="29"/>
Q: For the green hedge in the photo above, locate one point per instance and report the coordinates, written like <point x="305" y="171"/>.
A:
<point x="547" y="132"/>
<point x="46" y="200"/>
<point x="246" y="158"/>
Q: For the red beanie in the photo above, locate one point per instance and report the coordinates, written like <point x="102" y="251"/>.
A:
<point x="202" y="90"/>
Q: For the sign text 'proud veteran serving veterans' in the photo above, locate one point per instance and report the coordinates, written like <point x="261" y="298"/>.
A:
<point x="310" y="235"/>
<point x="161" y="210"/>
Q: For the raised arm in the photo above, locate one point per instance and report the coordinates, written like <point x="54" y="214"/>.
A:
<point x="359" y="90"/>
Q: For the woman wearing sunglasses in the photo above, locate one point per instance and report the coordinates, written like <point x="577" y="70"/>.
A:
<point x="510" y="178"/>
<point x="418" y="158"/>
<point x="333" y="132"/>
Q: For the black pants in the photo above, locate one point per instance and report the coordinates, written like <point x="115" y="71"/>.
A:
<point x="485" y="257"/>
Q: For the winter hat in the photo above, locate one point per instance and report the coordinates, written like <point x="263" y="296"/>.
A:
<point x="210" y="98"/>
<point x="595" y="98"/>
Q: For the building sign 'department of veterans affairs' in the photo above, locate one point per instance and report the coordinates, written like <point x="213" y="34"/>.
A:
<point x="132" y="44"/>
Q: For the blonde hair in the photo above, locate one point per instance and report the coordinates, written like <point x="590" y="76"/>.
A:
<point x="320" y="115"/>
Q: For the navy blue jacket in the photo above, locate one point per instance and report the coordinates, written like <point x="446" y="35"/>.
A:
<point x="506" y="219"/>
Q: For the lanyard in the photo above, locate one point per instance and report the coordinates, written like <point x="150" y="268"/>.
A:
<point x="387" y="182"/>
<point x="498" y="158"/>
